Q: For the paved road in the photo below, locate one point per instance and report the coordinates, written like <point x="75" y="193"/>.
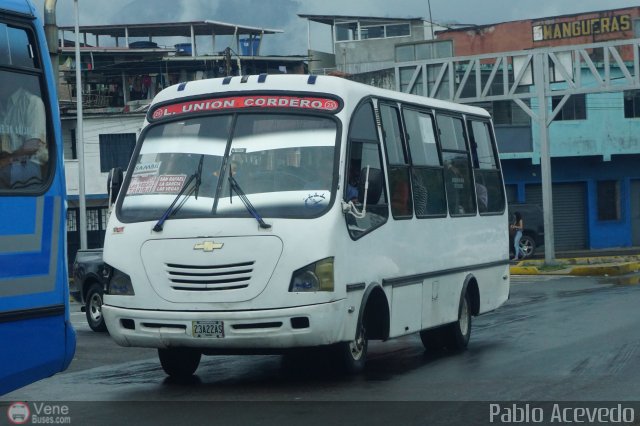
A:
<point x="556" y="339"/>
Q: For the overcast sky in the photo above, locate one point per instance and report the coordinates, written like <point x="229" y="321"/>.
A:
<point x="282" y="14"/>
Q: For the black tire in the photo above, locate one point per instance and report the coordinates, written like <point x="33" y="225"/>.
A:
<point x="352" y="355"/>
<point x="457" y="334"/>
<point x="433" y="339"/>
<point x="93" y="307"/>
<point x="180" y="363"/>
<point x="527" y="246"/>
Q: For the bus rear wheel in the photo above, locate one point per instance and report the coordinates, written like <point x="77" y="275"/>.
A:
<point x="353" y="354"/>
<point x="432" y="339"/>
<point x="457" y="334"/>
<point x="454" y="336"/>
<point x="179" y="362"/>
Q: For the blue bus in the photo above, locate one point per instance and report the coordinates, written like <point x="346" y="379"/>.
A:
<point x="36" y="337"/>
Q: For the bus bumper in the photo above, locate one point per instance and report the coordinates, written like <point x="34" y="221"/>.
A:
<point x="272" y="329"/>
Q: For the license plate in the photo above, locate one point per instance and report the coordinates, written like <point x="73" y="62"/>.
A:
<point x="207" y="329"/>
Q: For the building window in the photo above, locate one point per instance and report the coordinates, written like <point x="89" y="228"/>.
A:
<point x="72" y="220"/>
<point x="349" y="31"/>
<point x="93" y="220"/>
<point x="508" y="113"/>
<point x="374" y="31"/>
<point x="574" y="109"/>
<point x="397" y="30"/>
<point x="608" y="200"/>
<point x="632" y="103"/>
<point x="346" y="31"/>
<point x="104" y="218"/>
<point x="424" y="50"/>
<point x="74" y="145"/>
<point x="116" y="150"/>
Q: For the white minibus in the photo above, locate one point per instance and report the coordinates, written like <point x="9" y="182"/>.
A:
<point x="277" y="213"/>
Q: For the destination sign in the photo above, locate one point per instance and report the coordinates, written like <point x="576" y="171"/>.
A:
<point x="240" y="102"/>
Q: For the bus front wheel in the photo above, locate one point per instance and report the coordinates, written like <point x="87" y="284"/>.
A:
<point x="179" y="362"/>
<point x="93" y="308"/>
<point x="353" y="354"/>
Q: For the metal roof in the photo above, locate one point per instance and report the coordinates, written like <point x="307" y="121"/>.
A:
<point x="172" y="29"/>
<point x="330" y="19"/>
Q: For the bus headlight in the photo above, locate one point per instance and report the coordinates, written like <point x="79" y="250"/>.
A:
<point x="118" y="283"/>
<point x="317" y="276"/>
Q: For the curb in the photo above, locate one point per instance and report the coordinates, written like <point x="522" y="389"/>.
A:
<point x="602" y="269"/>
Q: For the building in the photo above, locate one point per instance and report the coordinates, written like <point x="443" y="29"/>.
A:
<point x="367" y="48"/>
<point x="123" y="67"/>
<point x="594" y="138"/>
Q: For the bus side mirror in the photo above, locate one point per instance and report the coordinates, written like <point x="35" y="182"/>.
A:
<point x="375" y="185"/>
<point x="114" y="183"/>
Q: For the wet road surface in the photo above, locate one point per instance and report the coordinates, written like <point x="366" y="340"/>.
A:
<point x="556" y="339"/>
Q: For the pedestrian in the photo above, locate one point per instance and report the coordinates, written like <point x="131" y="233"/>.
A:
<point x="516" y="227"/>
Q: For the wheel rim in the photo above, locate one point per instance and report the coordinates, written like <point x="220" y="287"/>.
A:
<point x="525" y="247"/>
<point x="356" y="347"/>
<point x="464" y="317"/>
<point x="95" y="307"/>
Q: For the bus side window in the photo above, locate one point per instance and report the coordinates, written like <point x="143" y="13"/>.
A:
<point x="457" y="169"/>
<point x="24" y="146"/>
<point x="364" y="151"/>
<point x="486" y="168"/>
<point x="426" y="165"/>
<point x="399" y="185"/>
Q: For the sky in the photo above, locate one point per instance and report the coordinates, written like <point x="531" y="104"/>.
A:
<point x="282" y="14"/>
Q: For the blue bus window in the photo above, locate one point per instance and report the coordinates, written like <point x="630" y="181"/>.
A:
<point x="15" y="47"/>
<point x="5" y="58"/>
<point x="24" y="155"/>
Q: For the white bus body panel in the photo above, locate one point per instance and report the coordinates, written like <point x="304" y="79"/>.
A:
<point x="432" y="268"/>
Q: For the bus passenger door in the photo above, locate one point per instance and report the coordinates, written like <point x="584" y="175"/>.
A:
<point x="364" y="160"/>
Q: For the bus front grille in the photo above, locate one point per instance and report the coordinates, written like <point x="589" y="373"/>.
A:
<point x="206" y="278"/>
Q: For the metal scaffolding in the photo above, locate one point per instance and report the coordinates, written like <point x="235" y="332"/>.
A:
<point x="525" y="75"/>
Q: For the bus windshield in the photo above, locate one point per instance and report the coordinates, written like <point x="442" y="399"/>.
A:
<point x="284" y="163"/>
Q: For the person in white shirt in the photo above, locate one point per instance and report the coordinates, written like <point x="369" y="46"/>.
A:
<point x="23" y="149"/>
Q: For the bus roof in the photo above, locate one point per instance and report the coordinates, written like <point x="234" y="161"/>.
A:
<point x="345" y="89"/>
<point x="23" y="7"/>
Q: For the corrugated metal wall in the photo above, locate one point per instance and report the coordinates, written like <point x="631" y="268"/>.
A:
<point x="635" y="212"/>
<point x="569" y="213"/>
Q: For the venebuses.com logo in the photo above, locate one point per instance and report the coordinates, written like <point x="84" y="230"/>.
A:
<point x="18" y="413"/>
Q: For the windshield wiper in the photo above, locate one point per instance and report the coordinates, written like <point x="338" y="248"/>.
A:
<point x="234" y="186"/>
<point x="197" y="176"/>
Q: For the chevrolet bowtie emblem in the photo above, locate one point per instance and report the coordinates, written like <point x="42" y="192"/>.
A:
<point x="208" y="246"/>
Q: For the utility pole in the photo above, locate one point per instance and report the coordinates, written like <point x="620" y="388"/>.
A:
<point x="51" y="32"/>
<point x="80" y="137"/>
<point x="540" y="76"/>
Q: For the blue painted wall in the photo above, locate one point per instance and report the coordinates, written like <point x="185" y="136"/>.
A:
<point x="605" y="131"/>
<point x="590" y="170"/>
<point x="605" y="146"/>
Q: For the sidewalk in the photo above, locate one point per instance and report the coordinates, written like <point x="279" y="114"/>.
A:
<point x="593" y="263"/>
